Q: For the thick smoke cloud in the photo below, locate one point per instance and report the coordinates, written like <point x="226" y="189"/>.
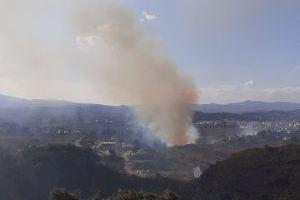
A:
<point x="102" y="43"/>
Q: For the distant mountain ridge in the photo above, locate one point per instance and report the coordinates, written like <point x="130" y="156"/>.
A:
<point x="241" y="107"/>
<point x="248" y="106"/>
<point x="15" y="102"/>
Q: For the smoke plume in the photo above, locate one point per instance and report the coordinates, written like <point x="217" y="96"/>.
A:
<point x="110" y="50"/>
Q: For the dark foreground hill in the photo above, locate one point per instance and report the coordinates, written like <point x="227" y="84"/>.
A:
<point x="256" y="174"/>
<point x="31" y="174"/>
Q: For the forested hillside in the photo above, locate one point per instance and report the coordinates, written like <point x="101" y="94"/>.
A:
<point x="32" y="173"/>
<point x="255" y="174"/>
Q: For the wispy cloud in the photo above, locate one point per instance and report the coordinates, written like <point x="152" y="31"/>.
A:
<point x="250" y="83"/>
<point x="148" y="16"/>
<point x="86" y="41"/>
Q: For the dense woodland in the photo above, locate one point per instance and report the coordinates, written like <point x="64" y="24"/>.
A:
<point x="265" y="173"/>
<point x="30" y="174"/>
<point x="260" y="173"/>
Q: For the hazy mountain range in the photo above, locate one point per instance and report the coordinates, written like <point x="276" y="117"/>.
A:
<point x="248" y="106"/>
<point x="13" y="102"/>
<point x="241" y="107"/>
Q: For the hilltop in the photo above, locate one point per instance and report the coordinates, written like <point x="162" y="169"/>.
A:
<point x="260" y="173"/>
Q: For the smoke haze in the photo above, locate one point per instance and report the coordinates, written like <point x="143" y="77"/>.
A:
<point x="102" y="44"/>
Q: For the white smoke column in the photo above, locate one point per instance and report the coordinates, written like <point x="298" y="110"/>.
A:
<point x="115" y="55"/>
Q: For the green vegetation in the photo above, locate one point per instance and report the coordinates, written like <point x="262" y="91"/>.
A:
<point x="258" y="174"/>
<point x="255" y="174"/>
<point x="58" y="194"/>
<point x="30" y="174"/>
<point x="267" y="173"/>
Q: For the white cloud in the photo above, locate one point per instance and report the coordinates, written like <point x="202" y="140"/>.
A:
<point x="250" y="83"/>
<point x="297" y="68"/>
<point x="148" y="16"/>
<point x="86" y="41"/>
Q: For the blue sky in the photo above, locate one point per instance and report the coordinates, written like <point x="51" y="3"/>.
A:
<point x="234" y="50"/>
<point x="230" y="44"/>
<point x="263" y="45"/>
